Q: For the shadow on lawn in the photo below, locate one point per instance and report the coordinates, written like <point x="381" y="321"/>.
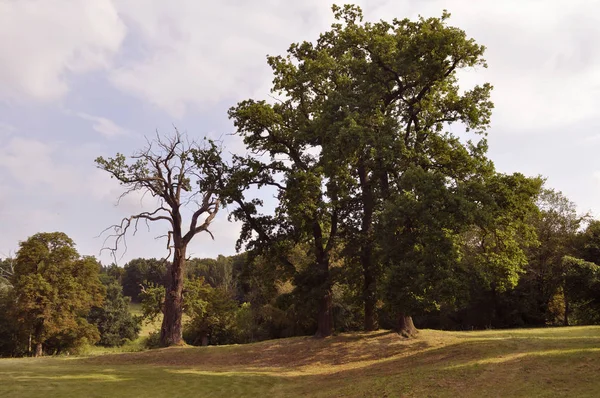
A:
<point x="273" y="354"/>
<point x="525" y="368"/>
<point x="459" y="368"/>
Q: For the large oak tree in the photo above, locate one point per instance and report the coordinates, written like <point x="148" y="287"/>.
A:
<point x="356" y="110"/>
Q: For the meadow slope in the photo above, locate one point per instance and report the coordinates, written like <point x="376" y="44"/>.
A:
<point x="550" y="362"/>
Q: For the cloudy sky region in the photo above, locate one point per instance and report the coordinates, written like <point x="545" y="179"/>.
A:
<point x="80" y="79"/>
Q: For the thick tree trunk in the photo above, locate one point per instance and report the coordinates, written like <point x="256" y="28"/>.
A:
<point x="366" y="255"/>
<point x="37" y="337"/>
<point x="171" y="330"/>
<point x="405" y="326"/>
<point x="325" y="316"/>
<point x="204" y="340"/>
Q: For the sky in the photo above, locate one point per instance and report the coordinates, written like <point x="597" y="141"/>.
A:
<point x="82" y="79"/>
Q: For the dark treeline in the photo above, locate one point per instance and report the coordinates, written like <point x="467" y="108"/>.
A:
<point x="384" y="218"/>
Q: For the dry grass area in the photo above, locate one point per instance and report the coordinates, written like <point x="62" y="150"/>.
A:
<point x="549" y="362"/>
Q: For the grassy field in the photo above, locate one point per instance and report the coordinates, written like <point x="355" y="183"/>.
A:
<point x="551" y="362"/>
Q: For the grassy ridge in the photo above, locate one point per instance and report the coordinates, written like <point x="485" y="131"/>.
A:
<point x="550" y="362"/>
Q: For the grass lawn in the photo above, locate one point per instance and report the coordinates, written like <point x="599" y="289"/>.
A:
<point x="551" y="362"/>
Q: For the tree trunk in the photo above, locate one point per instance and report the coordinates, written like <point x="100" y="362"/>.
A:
<point x="39" y="350"/>
<point x="567" y="310"/>
<point x="325" y="316"/>
<point x="171" y="330"/>
<point x="366" y="254"/>
<point x="405" y="326"/>
<point x="370" y="297"/>
<point x="37" y="334"/>
<point x="204" y="340"/>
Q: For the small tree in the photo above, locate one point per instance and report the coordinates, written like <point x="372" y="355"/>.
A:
<point x="55" y="289"/>
<point x="113" y="319"/>
<point x="179" y="174"/>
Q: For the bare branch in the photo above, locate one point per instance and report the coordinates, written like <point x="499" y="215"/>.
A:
<point x="165" y="169"/>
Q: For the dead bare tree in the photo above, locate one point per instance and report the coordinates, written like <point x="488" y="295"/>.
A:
<point x="181" y="175"/>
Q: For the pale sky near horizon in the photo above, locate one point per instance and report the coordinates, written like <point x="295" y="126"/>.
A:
<point x="80" y="79"/>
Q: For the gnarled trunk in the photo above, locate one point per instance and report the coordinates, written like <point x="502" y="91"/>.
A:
<point x="405" y="325"/>
<point x="171" y="330"/>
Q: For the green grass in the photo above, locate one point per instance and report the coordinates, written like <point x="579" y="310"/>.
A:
<point x="551" y="362"/>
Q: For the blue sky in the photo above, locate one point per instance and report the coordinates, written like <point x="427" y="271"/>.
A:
<point x="80" y="79"/>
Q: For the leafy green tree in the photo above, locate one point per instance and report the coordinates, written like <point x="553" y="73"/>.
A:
<point x="364" y="103"/>
<point x="395" y="92"/>
<point x="165" y="170"/>
<point x="55" y="288"/>
<point x="212" y="313"/>
<point x="113" y="319"/>
<point x="307" y="212"/>
<point x="588" y="242"/>
<point x="111" y="273"/>
<point x="581" y="291"/>
<point x="13" y="338"/>
<point x="557" y="226"/>
<point x="217" y="272"/>
<point x="140" y="271"/>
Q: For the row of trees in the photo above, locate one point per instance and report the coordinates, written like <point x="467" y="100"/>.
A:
<point x="382" y="214"/>
<point x="247" y="297"/>
<point x="370" y="184"/>
<point x="54" y="300"/>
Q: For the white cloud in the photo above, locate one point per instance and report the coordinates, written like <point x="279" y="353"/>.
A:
<point x="540" y="53"/>
<point x="43" y="41"/>
<point x="104" y="126"/>
<point x="200" y="52"/>
<point x="29" y="162"/>
<point x="543" y="61"/>
<point x="54" y="169"/>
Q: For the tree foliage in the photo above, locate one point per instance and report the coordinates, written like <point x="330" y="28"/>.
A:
<point x="141" y="271"/>
<point x="113" y="319"/>
<point x="55" y="289"/>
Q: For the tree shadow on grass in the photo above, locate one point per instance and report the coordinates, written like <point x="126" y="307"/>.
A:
<point x="273" y="354"/>
<point x="72" y="380"/>
<point x="371" y="365"/>
<point x="526" y="368"/>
